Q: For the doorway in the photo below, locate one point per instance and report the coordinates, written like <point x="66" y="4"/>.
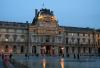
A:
<point x="48" y="50"/>
<point x="34" y="50"/>
<point x="99" y="51"/>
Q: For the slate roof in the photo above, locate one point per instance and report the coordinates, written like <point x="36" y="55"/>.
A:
<point x="5" y="23"/>
<point x="43" y="11"/>
<point x="77" y="28"/>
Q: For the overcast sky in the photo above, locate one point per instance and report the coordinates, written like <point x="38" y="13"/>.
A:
<point x="77" y="13"/>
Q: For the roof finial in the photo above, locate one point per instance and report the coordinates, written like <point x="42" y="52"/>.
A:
<point x="43" y="5"/>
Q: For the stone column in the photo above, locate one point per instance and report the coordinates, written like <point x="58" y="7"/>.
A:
<point x="56" y="50"/>
<point x="38" y="50"/>
<point x="30" y="49"/>
<point x="81" y="50"/>
<point x="18" y="49"/>
<point x="92" y="50"/>
<point x="76" y="50"/>
<point x="64" y="51"/>
<point x="70" y="50"/>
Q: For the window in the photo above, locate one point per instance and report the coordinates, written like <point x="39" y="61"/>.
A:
<point x="59" y="32"/>
<point x="53" y="39"/>
<point x="66" y="40"/>
<point x="15" y="37"/>
<point x="41" y="38"/>
<point x="73" y="39"/>
<point x="34" y="38"/>
<point x="84" y="39"/>
<point x="47" y="38"/>
<point x="67" y="33"/>
<point x="22" y="49"/>
<point x="78" y="41"/>
<point x="19" y="31"/>
<point x="3" y="30"/>
<point x="23" y="36"/>
<point x="14" y="48"/>
<point x="6" y="37"/>
<point x="0" y="35"/>
<point x="11" y="30"/>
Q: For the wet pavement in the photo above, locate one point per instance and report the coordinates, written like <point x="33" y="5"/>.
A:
<point x="5" y="64"/>
<point x="1" y="63"/>
<point x="58" y="62"/>
<point x="53" y="62"/>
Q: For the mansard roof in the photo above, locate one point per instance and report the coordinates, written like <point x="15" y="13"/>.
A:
<point x="46" y="11"/>
<point x="42" y="11"/>
<point x="77" y="29"/>
<point x="12" y="24"/>
<point x="98" y="30"/>
<point x="67" y="28"/>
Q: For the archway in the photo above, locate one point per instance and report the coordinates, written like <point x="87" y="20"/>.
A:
<point x="14" y="48"/>
<point x="22" y="49"/>
<point x="61" y="51"/>
<point x="6" y="48"/>
<point x="99" y="51"/>
<point x="48" y="50"/>
<point x="34" y="50"/>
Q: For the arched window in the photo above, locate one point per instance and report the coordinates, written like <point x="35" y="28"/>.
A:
<point x="15" y="37"/>
<point x="6" y="48"/>
<point x="34" y="49"/>
<point x="6" y="37"/>
<point x="14" y="48"/>
<point x="22" y="49"/>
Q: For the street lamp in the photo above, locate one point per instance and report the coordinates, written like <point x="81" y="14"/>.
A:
<point x="6" y="40"/>
<point x="62" y="48"/>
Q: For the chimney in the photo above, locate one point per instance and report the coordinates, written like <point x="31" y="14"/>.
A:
<point x="36" y="12"/>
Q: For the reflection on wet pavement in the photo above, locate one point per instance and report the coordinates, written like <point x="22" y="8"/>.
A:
<point x="52" y="62"/>
<point x="62" y="62"/>
<point x="44" y="63"/>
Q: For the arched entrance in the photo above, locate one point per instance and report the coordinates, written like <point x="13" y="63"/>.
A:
<point x="34" y="50"/>
<point x="99" y="51"/>
<point x="61" y="51"/>
<point x="48" y="48"/>
<point x="6" y="48"/>
<point x="14" y="48"/>
<point x="22" y="49"/>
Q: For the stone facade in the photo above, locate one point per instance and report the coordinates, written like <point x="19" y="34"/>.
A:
<point x="44" y="36"/>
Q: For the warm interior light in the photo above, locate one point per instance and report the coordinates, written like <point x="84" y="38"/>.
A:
<point x="62" y="63"/>
<point x="44" y="63"/>
<point x="53" y="17"/>
<point x="40" y="17"/>
<point x="10" y="50"/>
<point x="6" y="40"/>
<point x="62" y="48"/>
<point x="2" y="50"/>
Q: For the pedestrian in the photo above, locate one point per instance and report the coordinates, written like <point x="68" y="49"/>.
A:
<point x="25" y="55"/>
<point x="67" y="55"/>
<point x="74" y="56"/>
<point x="2" y="56"/>
<point x="10" y="56"/>
<point x="77" y="56"/>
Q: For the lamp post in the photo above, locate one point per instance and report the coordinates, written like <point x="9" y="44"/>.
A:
<point x="62" y="49"/>
<point x="27" y="41"/>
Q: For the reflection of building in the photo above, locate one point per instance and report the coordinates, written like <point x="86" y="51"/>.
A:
<point x="44" y="36"/>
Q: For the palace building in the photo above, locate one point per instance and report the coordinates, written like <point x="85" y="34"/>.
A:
<point x="44" y="36"/>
